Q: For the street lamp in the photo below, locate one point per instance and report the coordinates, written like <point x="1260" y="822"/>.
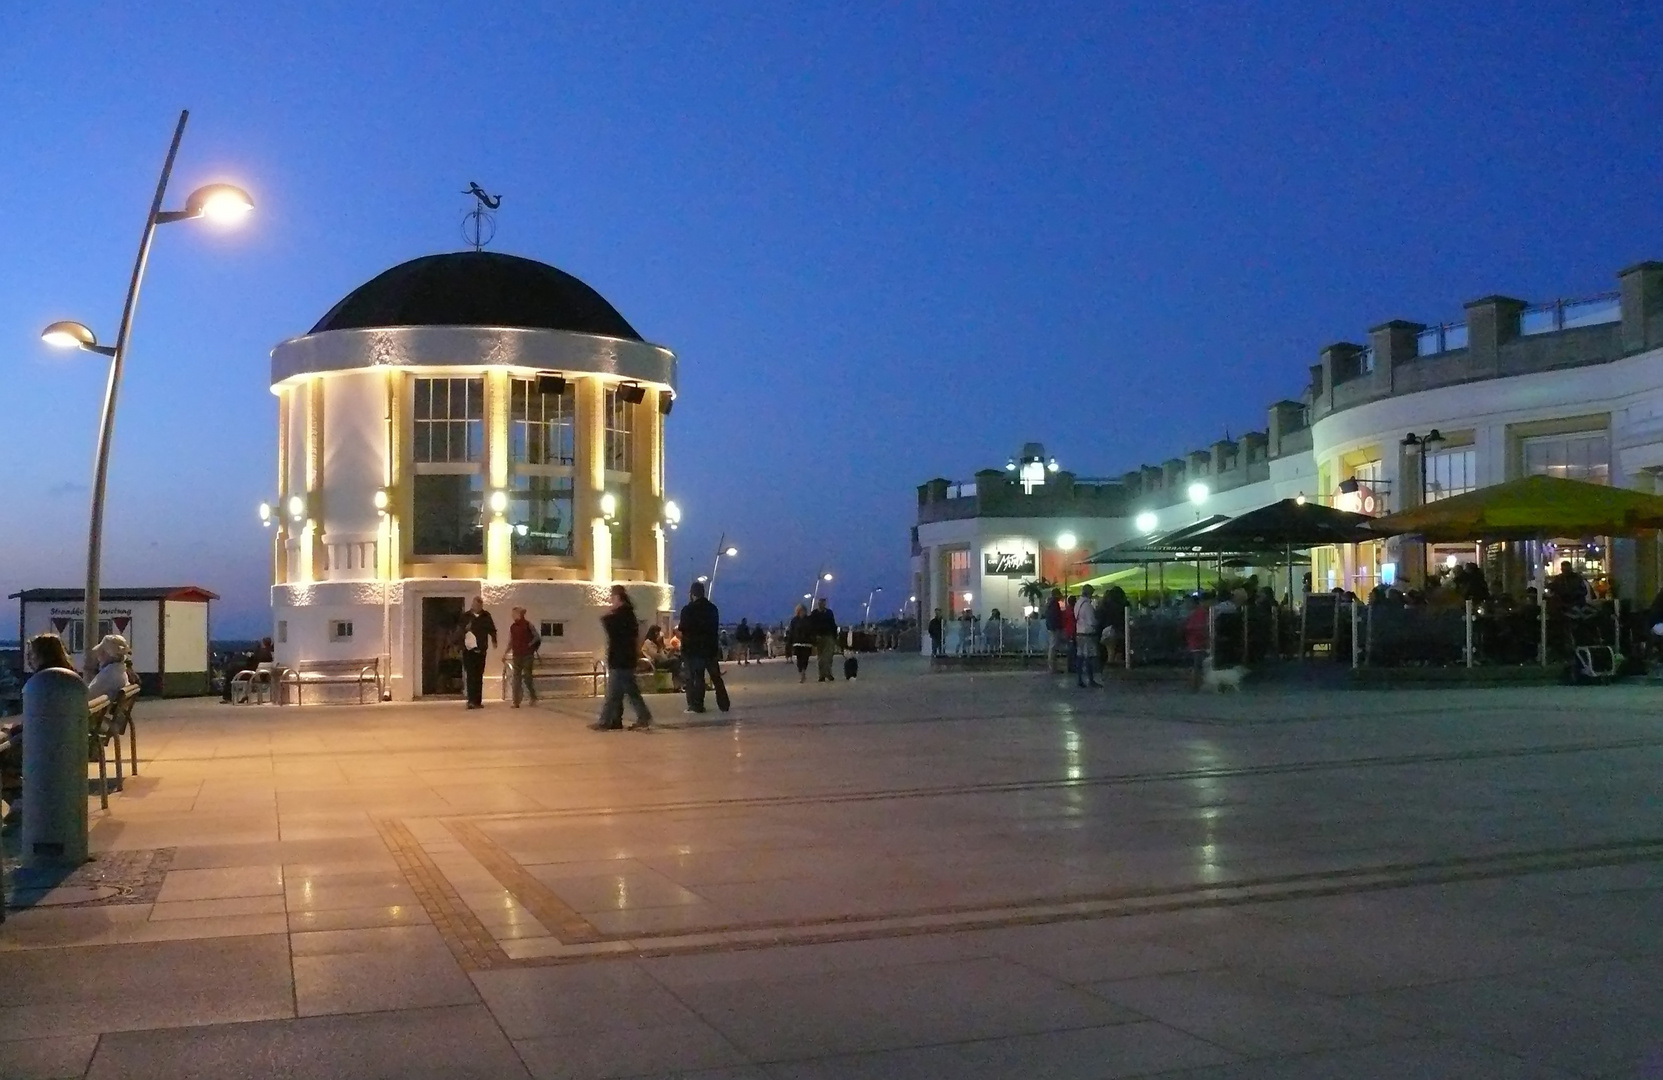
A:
<point x="1146" y="522"/>
<point x="1198" y="493"/>
<point x="824" y="575"/>
<point x="867" y="618"/>
<point x="722" y="548"/>
<point x="1065" y="544"/>
<point x="219" y="202"/>
<point x="1422" y="446"/>
<point x="672" y="514"/>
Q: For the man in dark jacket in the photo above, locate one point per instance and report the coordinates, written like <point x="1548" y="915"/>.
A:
<point x="700" y="644"/>
<point x="479" y="633"/>
<point x="936" y="630"/>
<point x="623" y="649"/>
<point x="1059" y="638"/>
<point x="823" y="625"/>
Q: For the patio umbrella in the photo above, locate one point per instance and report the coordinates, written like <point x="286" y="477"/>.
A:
<point x="1140" y="549"/>
<point x="1283" y="526"/>
<point x="1530" y="508"/>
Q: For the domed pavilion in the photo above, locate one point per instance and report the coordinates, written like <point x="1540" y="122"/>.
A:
<point x="466" y="424"/>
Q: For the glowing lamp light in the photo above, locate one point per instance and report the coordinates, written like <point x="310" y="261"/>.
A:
<point x="672" y="514"/>
<point x="609" y="504"/>
<point x="297" y="508"/>
<point x="826" y="576"/>
<point x="219" y="202"/>
<point x="730" y="551"/>
<point x="1198" y="493"/>
<point x="499" y="501"/>
<point x="702" y="578"/>
<point x="522" y="529"/>
<point x="1300" y="498"/>
<point x="1051" y="466"/>
<point x="265" y="514"/>
<point x="1067" y="542"/>
<point x="967" y="598"/>
<point x="1146" y="522"/>
<point x="382" y="500"/>
<point x="912" y="599"/>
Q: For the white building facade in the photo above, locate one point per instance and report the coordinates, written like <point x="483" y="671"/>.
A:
<point x="467" y="424"/>
<point x="1564" y="389"/>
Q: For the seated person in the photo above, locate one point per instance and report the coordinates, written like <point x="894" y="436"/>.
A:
<point x="113" y="676"/>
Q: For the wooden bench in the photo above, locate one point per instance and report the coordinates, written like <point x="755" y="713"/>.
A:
<point x="556" y="666"/>
<point x="365" y="674"/>
<point x="107" y="720"/>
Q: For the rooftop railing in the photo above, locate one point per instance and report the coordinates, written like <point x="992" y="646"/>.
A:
<point x="1566" y="314"/>
<point x="1441" y="339"/>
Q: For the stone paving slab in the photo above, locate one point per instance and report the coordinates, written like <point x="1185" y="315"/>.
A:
<point x="917" y="874"/>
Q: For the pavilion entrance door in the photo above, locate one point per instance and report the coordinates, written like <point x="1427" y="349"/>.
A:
<point x="441" y="646"/>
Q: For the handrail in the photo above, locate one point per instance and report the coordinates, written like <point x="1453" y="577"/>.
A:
<point x="1568" y="314"/>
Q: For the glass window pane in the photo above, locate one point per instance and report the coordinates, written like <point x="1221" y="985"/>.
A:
<point x="447" y="515"/>
<point x="540" y="513"/>
<point x="475" y="389"/>
<point x="424" y="399"/>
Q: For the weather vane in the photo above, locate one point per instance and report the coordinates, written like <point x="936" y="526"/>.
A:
<point x="479" y="225"/>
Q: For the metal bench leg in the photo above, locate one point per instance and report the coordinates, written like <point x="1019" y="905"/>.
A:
<point x="120" y="774"/>
<point x="133" y="745"/>
<point x="103" y="779"/>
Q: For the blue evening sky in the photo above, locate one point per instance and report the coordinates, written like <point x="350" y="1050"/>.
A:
<point x="888" y="241"/>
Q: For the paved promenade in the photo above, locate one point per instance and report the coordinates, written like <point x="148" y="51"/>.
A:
<point x="914" y="875"/>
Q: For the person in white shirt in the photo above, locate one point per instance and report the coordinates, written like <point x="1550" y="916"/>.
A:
<point x="112" y="677"/>
<point x="1086" y="632"/>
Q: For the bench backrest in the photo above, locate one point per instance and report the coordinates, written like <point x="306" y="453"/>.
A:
<point x="574" y="663"/>
<point x="337" y="667"/>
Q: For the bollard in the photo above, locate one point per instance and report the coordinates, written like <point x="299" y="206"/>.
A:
<point x="54" y="769"/>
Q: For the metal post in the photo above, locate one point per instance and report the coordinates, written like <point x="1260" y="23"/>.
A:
<point x="106" y="427"/>
<point x="1126" y="641"/>
<point x="1469" y="635"/>
<point x="1542" y="606"/>
<point x="1356" y="640"/>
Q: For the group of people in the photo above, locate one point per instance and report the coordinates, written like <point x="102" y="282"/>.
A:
<point x="112" y="659"/>
<point x="813" y="633"/>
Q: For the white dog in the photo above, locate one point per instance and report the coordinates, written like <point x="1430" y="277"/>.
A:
<point x="1221" y="679"/>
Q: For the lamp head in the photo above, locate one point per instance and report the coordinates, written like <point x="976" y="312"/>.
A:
<point x="297" y="508"/>
<point x="219" y="202"/>
<point x="265" y="513"/>
<point x="1067" y="541"/>
<point x="826" y="576"/>
<point x="672" y="513"/>
<point x="609" y="504"/>
<point x="499" y="501"/>
<point x="730" y="551"/>
<point x="1198" y="493"/>
<point x="1145" y="522"/>
<point x="69" y="335"/>
<point x="382" y="499"/>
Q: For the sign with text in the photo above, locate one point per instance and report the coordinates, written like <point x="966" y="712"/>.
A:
<point x="1009" y="564"/>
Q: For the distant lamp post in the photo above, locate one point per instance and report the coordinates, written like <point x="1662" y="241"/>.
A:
<point x="867" y="618"/>
<point x="722" y="548"/>
<point x="1422" y="446"/>
<point x="823" y="575"/>
<point x="219" y="202"/>
<point x="1066" y="543"/>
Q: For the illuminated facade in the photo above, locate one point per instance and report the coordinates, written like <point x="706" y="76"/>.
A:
<point x="1566" y="388"/>
<point x="464" y="424"/>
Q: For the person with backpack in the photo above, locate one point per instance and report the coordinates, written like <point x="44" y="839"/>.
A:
<point x="523" y="643"/>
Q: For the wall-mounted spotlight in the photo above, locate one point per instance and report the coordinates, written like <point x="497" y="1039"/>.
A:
<point x="382" y="500"/>
<point x="666" y="402"/>
<point x="551" y="384"/>
<point x="672" y="514"/>
<point x="297" y="508"/>
<point x="265" y="514"/>
<point x="609" y="505"/>
<point x="499" y="502"/>
<point x="632" y="392"/>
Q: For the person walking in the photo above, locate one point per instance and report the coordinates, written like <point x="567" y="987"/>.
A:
<point x="479" y="633"/>
<point x="799" y="638"/>
<point x="936" y="632"/>
<point x="623" y="649"/>
<point x="822" y="625"/>
<point x="742" y="642"/>
<point x="523" y="643"/>
<point x="701" y="644"/>
<point x="1086" y="635"/>
<point x="1053" y="623"/>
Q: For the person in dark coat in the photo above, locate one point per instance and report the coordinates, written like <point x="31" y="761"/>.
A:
<point x="936" y="631"/>
<point x="623" y="649"/>
<point x="823" y="625"/>
<point x="479" y="633"/>
<point x="701" y="644"/>
<point x="799" y="638"/>
<point x="742" y="639"/>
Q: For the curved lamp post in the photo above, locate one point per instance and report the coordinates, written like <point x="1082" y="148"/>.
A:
<point x="722" y="548"/>
<point x="866" y="620"/>
<point x="823" y="575"/>
<point x="220" y="202"/>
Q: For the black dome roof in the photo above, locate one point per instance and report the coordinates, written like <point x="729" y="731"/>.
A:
<point x="477" y="288"/>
